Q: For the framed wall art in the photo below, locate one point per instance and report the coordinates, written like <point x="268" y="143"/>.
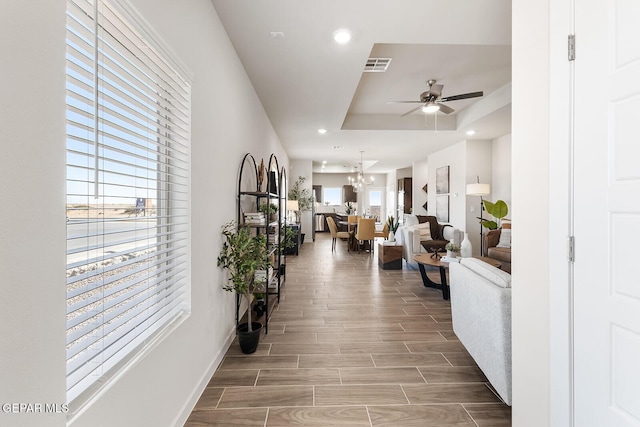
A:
<point x="442" y="180"/>
<point x="442" y="208"/>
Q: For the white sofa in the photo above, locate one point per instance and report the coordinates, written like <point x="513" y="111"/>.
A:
<point x="481" y="311"/>
<point x="408" y="236"/>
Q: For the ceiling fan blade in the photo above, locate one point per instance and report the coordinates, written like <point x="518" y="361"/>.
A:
<point x="411" y="111"/>
<point x="462" y="96"/>
<point x="436" y="90"/>
<point x="445" y="109"/>
<point x="405" y="102"/>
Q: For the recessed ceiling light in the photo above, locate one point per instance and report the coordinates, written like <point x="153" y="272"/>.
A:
<point x="337" y="147"/>
<point x="276" y="34"/>
<point x="322" y="131"/>
<point x="342" y="36"/>
<point x="471" y="132"/>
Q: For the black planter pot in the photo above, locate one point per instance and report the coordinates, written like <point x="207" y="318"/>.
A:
<point x="249" y="340"/>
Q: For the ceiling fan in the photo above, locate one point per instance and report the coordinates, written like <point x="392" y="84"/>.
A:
<point x="432" y="100"/>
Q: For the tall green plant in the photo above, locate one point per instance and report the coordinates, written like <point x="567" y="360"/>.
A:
<point x="301" y="194"/>
<point x="241" y="255"/>
<point x="498" y="210"/>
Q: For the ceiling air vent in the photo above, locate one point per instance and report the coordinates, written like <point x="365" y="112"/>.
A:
<point x="377" y="65"/>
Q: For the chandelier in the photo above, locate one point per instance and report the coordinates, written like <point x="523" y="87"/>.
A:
<point x="359" y="182"/>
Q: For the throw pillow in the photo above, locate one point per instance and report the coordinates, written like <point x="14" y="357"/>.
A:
<point x="425" y="231"/>
<point x="505" y="238"/>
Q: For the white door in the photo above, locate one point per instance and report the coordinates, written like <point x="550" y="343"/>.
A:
<point x="607" y="213"/>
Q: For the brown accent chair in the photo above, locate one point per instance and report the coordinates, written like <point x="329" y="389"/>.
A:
<point x="490" y="247"/>
<point x="437" y="233"/>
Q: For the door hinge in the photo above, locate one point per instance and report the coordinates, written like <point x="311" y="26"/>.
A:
<point x="572" y="47"/>
<point x="571" y="248"/>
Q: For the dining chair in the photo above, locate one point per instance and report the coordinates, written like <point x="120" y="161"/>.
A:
<point x="366" y="231"/>
<point x="384" y="233"/>
<point x="335" y="234"/>
<point x="352" y="220"/>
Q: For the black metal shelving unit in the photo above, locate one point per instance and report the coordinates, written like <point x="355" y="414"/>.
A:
<point x="251" y="196"/>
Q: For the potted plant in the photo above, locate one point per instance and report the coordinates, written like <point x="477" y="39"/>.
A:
<point x="393" y="224"/>
<point x="304" y="198"/>
<point x="498" y="210"/>
<point x="301" y="194"/>
<point x="288" y="243"/>
<point x="348" y="208"/>
<point x="269" y="210"/>
<point x="452" y="249"/>
<point x="242" y="253"/>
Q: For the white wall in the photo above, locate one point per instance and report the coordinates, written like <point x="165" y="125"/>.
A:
<point x="531" y="247"/>
<point x="392" y="194"/>
<point x="456" y="158"/>
<point x="420" y="178"/>
<point x="32" y="217"/>
<point x="161" y="388"/>
<point x="479" y="166"/>
<point x="501" y="170"/>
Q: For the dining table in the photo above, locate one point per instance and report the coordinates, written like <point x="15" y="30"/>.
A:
<point x="351" y="228"/>
<point x="353" y="243"/>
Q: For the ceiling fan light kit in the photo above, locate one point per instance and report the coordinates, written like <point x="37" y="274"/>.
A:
<point x="431" y="107"/>
<point x="432" y="100"/>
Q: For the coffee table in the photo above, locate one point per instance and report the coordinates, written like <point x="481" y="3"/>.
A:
<point x="426" y="259"/>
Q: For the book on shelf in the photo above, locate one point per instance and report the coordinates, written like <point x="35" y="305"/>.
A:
<point x="255" y="218"/>
<point x="273" y="238"/>
<point x="261" y="276"/>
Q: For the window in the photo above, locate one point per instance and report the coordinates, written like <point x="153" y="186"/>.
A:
<point x="375" y="203"/>
<point x="128" y="157"/>
<point x="332" y="196"/>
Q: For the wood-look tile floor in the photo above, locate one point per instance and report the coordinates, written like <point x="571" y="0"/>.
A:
<point x="351" y="344"/>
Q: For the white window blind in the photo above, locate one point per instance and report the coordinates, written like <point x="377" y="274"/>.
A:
<point x="128" y="162"/>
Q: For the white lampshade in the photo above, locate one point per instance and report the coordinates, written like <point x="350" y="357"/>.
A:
<point x="478" y="189"/>
<point x="292" y="205"/>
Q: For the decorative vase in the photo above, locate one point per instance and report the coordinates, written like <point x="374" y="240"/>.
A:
<point x="451" y="254"/>
<point x="392" y="236"/>
<point x="465" y="247"/>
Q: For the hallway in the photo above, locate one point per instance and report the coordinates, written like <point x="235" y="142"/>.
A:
<point x="351" y="344"/>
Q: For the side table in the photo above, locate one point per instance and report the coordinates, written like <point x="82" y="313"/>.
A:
<point x="390" y="257"/>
